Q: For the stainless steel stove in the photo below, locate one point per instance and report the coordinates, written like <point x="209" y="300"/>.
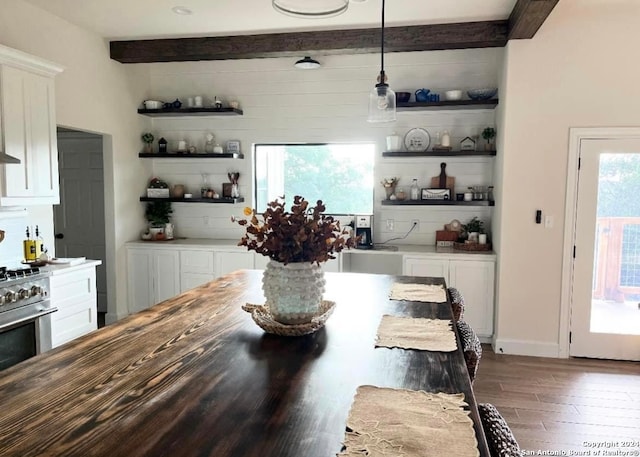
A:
<point x="25" y="309"/>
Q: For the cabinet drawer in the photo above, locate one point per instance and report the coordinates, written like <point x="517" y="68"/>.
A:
<point x="196" y="261"/>
<point x="189" y="281"/>
<point x="72" y="321"/>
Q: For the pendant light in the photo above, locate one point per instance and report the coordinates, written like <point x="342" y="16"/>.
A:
<point x="311" y="8"/>
<point x="307" y="63"/>
<point x="382" y="100"/>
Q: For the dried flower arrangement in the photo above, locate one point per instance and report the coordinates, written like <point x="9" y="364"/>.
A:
<point x="304" y="234"/>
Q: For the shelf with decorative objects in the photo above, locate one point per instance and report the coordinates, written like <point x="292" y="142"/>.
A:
<point x="407" y="154"/>
<point x="177" y="112"/>
<point x="193" y="200"/>
<point x="178" y="155"/>
<point x="448" y="105"/>
<point x="438" y="202"/>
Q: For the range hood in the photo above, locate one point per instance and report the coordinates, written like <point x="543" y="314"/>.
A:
<point x="6" y="158"/>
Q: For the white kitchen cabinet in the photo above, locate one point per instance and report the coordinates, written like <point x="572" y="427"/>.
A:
<point x="473" y="278"/>
<point x="28" y="130"/>
<point x="154" y="276"/>
<point x="228" y="261"/>
<point x="196" y="268"/>
<point x="74" y="294"/>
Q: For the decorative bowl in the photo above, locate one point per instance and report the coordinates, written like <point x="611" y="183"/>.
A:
<point x="153" y="104"/>
<point x="453" y="95"/>
<point x="403" y="97"/>
<point x="482" y="94"/>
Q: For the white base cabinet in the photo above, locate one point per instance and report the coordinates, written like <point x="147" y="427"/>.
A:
<point x="153" y="276"/>
<point x="473" y="278"/>
<point x="74" y="294"/>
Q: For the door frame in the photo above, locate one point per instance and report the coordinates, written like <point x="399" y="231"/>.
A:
<point x="576" y="135"/>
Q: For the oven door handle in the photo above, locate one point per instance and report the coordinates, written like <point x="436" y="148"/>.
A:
<point x="27" y="317"/>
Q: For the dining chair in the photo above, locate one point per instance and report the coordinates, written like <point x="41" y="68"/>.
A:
<point x="499" y="436"/>
<point x="471" y="347"/>
<point x="457" y="303"/>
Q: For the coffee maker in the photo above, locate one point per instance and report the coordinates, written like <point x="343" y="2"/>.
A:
<point x="364" y="230"/>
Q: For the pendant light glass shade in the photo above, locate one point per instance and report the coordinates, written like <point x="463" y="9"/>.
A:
<point x="382" y="104"/>
<point x="382" y="100"/>
<point x="311" y="8"/>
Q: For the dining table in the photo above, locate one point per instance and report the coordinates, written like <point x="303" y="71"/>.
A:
<point x="195" y="376"/>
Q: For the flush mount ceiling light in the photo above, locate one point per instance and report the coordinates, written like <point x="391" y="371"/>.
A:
<point x="182" y="10"/>
<point x="382" y="100"/>
<point x="311" y="8"/>
<point x="307" y="63"/>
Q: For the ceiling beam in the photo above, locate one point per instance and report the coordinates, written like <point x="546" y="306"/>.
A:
<point x="356" y="41"/>
<point x="527" y="17"/>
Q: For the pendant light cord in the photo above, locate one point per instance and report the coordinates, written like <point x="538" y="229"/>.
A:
<point x="382" y="44"/>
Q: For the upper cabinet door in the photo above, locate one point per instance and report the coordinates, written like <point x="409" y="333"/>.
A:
<point x="27" y="131"/>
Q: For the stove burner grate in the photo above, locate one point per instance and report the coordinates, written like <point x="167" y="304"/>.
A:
<point x="18" y="273"/>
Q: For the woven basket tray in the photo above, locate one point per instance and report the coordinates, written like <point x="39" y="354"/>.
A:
<point x="262" y="316"/>
<point x="472" y="246"/>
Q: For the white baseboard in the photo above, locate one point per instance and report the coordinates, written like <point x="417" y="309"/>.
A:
<point x="532" y="348"/>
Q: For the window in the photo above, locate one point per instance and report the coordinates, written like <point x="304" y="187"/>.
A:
<point x="341" y="175"/>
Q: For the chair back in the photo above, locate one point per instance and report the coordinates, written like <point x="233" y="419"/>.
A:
<point x="499" y="436"/>
<point x="457" y="303"/>
<point x="471" y="347"/>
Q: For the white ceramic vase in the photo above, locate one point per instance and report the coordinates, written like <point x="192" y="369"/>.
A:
<point x="293" y="291"/>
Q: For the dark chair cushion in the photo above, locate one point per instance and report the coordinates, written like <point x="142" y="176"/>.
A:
<point x="500" y="438"/>
<point x="457" y="303"/>
<point x="471" y="347"/>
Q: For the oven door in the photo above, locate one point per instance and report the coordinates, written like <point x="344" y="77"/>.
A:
<point x="25" y="332"/>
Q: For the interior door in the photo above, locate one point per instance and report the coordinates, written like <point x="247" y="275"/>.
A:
<point x="605" y="294"/>
<point x="79" y="222"/>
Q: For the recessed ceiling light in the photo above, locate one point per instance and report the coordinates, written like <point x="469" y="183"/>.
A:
<point x="181" y="10"/>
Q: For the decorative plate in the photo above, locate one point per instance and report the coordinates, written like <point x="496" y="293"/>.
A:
<point x="417" y="140"/>
<point x="261" y="315"/>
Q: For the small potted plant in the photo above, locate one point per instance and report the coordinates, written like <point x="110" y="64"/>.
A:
<point x="489" y="134"/>
<point x="147" y="139"/>
<point x="473" y="228"/>
<point x="158" y="214"/>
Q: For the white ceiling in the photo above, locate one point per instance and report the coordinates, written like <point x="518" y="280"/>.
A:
<point x="137" y="19"/>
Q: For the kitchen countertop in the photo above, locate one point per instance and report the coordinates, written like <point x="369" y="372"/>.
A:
<point x="398" y="249"/>
<point x="61" y="269"/>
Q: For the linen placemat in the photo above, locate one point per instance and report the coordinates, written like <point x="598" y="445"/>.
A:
<point x="416" y="333"/>
<point x="386" y="422"/>
<point x="418" y="292"/>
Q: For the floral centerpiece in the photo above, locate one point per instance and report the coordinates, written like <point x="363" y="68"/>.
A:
<point x="296" y="242"/>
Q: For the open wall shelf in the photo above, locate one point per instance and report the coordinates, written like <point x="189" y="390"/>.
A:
<point x="438" y="203"/>
<point x="177" y="112"/>
<point x="407" y="154"/>
<point x="193" y="200"/>
<point x="175" y="155"/>
<point x="448" y="104"/>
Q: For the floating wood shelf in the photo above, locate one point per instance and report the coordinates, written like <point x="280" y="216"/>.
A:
<point x="438" y="154"/>
<point x="226" y="155"/>
<point x="448" y="104"/>
<point x="176" y="112"/>
<point x="438" y="202"/>
<point x="193" y="200"/>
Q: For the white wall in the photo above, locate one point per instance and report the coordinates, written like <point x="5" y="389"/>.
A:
<point x="96" y="94"/>
<point x="284" y="104"/>
<point x="580" y="70"/>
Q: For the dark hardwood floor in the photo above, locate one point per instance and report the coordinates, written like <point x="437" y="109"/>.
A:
<point x="559" y="404"/>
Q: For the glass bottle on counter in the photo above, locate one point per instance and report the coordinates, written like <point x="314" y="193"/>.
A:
<point x="415" y="190"/>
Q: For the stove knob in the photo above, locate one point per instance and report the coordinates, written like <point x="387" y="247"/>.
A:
<point x="23" y="293"/>
<point x="10" y="297"/>
<point x="36" y="290"/>
<point x="2" y="299"/>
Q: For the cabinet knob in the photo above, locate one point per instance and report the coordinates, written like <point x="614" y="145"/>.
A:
<point x="59" y="236"/>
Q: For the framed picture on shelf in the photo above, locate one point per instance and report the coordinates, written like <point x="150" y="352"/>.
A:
<point x="233" y="147"/>
<point x="435" y="194"/>
<point x="226" y="190"/>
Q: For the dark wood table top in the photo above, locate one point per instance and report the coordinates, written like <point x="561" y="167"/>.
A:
<point x="195" y="376"/>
